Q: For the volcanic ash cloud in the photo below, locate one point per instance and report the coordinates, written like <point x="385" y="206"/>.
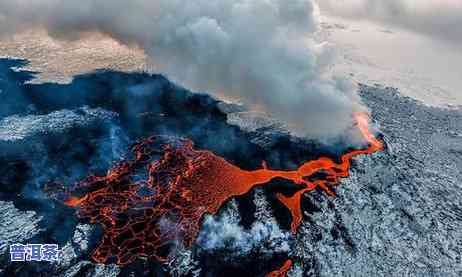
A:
<point x="260" y="52"/>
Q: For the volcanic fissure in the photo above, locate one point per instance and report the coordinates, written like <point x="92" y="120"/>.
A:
<point x="160" y="196"/>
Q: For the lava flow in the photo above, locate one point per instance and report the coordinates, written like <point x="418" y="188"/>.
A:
<point x="282" y="271"/>
<point x="159" y="197"/>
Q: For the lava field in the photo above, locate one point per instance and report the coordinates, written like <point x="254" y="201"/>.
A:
<point x="131" y="174"/>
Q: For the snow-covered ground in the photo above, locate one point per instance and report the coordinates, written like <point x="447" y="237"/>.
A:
<point x="59" y="60"/>
<point x="420" y="67"/>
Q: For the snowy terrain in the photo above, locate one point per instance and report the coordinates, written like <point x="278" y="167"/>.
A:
<point x="420" y="67"/>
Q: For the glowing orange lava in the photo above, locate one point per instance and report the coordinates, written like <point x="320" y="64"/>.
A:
<point x="145" y="204"/>
<point x="282" y="272"/>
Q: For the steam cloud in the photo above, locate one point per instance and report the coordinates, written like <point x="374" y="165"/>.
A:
<point x="261" y="52"/>
<point x="224" y="232"/>
<point x="438" y="18"/>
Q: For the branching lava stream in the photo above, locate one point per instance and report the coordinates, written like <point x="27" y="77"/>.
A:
<point x="145" y="204"/>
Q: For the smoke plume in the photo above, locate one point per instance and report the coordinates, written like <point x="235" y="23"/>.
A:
<point x="261" y="52"/>
<point x="220" y="233"/>
<point x="438" y="18"/>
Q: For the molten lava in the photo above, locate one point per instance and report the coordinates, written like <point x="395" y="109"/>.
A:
<point x="282" y="271"/>
<point x="146" y="204"/>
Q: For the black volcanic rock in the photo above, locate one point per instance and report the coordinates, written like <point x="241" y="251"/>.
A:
<point x="399" y="214"/>
<point x="16" y="226"/>
<point x="57" y="134"/>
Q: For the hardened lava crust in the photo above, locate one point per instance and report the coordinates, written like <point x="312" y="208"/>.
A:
<point x="396" y="214"/>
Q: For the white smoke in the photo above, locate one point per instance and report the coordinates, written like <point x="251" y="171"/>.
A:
<point x="261" y="52"/>
<point x="437" y="18"/>
<point x="225" y="233"/>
